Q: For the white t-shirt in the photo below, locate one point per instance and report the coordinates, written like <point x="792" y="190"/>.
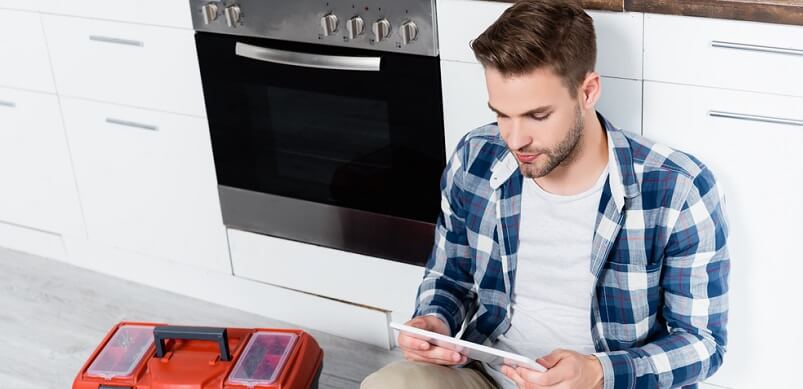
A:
<point x="553" y="288"/>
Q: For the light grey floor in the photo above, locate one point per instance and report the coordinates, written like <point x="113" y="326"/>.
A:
<point x="52" y="316"/>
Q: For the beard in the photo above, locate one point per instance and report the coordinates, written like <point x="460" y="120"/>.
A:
<point x="562" y="154"/>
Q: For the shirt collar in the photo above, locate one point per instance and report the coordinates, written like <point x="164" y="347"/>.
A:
<point x="622" y="174"/>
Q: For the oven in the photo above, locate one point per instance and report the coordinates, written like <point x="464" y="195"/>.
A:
<point x="326" y="120"/>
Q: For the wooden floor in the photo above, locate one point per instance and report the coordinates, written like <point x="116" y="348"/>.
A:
<point x="52" y="316"/>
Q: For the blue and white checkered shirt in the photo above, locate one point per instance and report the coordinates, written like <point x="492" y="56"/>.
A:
<point x="659" y="255"/>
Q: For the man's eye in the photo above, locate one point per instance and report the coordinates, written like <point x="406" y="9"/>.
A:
<point x="540" y="118"/>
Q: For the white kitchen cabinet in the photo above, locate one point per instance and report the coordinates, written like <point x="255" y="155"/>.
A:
<point x="465" y="100"/>
<point x="730" y="54"/>
<point x="24" y="63"/>
<point x="172" y="13"/>
<point x="37" y="188"/>
<point x="147" y="182"/>
<point x="758" y="165"/>
<point x="141" y="66"/>
<point x="619" y="34"/>
<point x="355" y="278"/>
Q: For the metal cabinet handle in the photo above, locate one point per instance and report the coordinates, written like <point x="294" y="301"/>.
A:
<point x="764" y="49"/>
<point x="127" y="123"/>
<point x="755" y="118"/>
<point x="307" y="60"/>
<point x="9" y="104"/>
<point x="118" y="41"/>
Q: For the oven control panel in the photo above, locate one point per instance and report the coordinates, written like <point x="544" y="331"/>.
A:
<point x="404" y="26"/>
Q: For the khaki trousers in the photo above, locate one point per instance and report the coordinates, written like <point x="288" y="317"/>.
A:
<point x="420" y="375"/>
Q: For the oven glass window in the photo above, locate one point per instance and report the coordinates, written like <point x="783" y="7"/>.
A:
<point x="365" y="140"/>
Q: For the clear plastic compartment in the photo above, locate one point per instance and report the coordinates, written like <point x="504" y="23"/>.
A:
<point x="263" y="359"/>
<point x="123" y="352"/>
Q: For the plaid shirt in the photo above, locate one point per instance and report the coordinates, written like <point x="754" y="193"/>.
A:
<point x="659" y="255"/>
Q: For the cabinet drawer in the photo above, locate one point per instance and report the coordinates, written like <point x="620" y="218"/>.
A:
<point x="141" y="66"/>
<point x="25" y="63"/>
<point x="619" y="34"/>
<point x="385" y="285"/>
<point x="174" y="13"/>
<point x="147" y="182"/>
<point x="38" y="189"/>
<point x="724" y="53"/>
<point x="757" y="161"/>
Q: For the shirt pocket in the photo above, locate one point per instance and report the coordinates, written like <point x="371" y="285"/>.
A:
<point x="629" y="297"/>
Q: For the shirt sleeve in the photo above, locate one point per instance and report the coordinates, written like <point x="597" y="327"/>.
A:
<point x="446" y="290"/>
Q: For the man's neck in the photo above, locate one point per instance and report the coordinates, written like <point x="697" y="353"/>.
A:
<point x="583" y="171"/>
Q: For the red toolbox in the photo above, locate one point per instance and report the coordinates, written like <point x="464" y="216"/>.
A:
<point x="158" y="356"/>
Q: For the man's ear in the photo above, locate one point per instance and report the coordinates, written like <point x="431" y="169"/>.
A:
<point x="590" y="91"/>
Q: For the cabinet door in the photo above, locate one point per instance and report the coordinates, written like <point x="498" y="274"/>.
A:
<point x="757" y="161"/>
<point x="24" y="62"/>
<point x="36" y="178"/>
<point x="147" y="182"/>
<point x="465" y="101"/>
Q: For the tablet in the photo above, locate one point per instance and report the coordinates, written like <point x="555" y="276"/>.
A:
<point x="471" y="350"/>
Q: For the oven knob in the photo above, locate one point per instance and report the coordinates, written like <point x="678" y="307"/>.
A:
<point x="329" y="24"/>
<point x="381" y="30"/>
<point x="232" y="15"/>
<point x="355" y="26"/>
<point x="409" y="31"/>
<point x="209" y="12"/>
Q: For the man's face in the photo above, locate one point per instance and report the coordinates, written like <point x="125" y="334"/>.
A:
<point x="538" y="119"/>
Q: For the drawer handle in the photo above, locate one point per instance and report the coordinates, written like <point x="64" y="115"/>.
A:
<point x="755" y="118"/>
<point x="127" y="123"/>
<point x="9" y="104"/>
<point x="118" y="41"/>
<point x="764" y="49"/>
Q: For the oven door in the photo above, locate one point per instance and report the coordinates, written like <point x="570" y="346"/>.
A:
<point x="338" y="147"/>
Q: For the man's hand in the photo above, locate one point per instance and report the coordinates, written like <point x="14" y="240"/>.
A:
<point x="422" y="351"/>
<point x="566" y="370"/>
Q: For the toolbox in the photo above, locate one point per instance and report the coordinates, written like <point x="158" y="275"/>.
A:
<point x="158" y="356"/>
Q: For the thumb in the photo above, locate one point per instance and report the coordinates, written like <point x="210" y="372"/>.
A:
<point x="550" y="360"/>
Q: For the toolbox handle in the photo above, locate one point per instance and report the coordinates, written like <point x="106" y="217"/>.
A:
<point x="219" y="335"/>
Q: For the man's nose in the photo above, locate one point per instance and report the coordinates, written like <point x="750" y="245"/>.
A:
<point x="518" y="138"/>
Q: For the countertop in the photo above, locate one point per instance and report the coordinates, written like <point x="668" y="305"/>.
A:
<point x="775" y="11"/>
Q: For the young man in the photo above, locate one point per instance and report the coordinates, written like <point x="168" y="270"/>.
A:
<point x="562" y="238"/>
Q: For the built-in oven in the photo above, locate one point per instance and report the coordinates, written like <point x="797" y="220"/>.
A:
<point x="326" y="120"/>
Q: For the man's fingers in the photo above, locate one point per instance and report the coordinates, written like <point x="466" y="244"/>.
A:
<point x="557" y="374"/>
<point x="530" y="375"/>
<point x="514" y="375"/>
<point x="441" y="356"/>
<point x="411" y="343"/>
<point x="551" y="359"/>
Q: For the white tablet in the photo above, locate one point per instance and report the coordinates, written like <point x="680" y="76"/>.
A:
<point x="474" y="351"/>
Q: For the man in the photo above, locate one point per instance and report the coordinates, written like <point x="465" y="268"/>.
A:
<point x="561" y="238"/>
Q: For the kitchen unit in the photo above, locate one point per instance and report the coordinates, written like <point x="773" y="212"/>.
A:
<point x="107" y="157"/>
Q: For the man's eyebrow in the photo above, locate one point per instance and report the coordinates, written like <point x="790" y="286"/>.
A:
<point x="530" y="112"/>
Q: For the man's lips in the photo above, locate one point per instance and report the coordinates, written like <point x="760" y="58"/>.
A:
<point x="526" y="158"/>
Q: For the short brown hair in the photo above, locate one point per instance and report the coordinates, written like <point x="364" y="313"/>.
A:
<point x="535" y="33"/>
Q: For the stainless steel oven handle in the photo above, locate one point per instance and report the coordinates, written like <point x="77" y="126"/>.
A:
<point x="335" y="62"/>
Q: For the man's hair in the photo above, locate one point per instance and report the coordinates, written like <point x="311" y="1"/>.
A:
<point x="533" y="34"/>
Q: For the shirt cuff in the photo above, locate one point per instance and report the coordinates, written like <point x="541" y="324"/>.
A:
<point x="617" y="370"/>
